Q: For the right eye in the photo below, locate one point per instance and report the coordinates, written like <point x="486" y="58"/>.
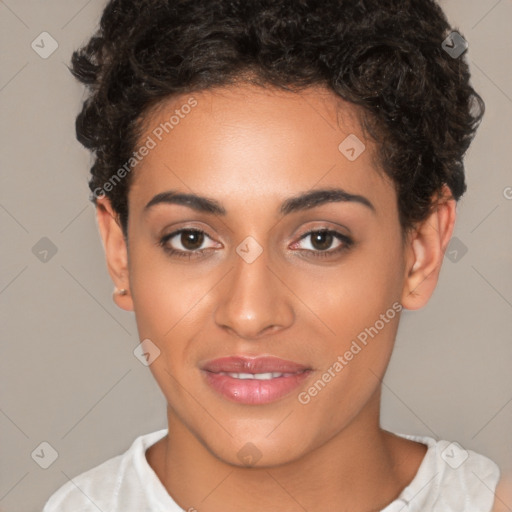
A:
<point x="185" y="242"/>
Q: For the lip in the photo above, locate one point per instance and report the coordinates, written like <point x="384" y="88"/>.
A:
<point x="252" y="391"/>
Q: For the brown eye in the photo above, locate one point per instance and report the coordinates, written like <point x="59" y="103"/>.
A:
<point x="186" y="242"/>
<point x="192" y="240"/>
<point x="321" y="240"/>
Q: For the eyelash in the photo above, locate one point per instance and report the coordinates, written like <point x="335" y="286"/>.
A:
<point x="347" y="242"/>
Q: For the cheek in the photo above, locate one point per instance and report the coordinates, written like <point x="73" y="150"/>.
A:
<point x="166" y="294"/>
<point x="169" y="303"/>
<point x="166" y="307"/>
<point x="357" y="307"/>
<point x="346" y="298"/>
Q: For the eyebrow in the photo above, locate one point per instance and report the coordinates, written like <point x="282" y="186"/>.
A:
<point x="300" y="202"/>
<point x="316" y="198"/>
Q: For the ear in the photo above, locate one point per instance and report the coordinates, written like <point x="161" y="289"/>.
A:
<point x="116" y="252"/>
<point x="426" y="245"/>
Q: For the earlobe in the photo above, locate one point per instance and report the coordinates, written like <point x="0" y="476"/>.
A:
<point x="116" y="252"/>
<point x="425" y="247"/>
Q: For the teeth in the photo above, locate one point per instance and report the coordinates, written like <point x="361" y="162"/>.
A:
<point x="256" y="376"/>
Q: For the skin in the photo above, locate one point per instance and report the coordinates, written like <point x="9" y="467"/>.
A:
<point x="250" y="149"/>
<point x="503" y="495"/>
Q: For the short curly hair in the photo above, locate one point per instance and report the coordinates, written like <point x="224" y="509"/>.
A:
<point x="385" y="56"/>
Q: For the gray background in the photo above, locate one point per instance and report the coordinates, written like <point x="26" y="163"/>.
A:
<point x="68" y="374"/>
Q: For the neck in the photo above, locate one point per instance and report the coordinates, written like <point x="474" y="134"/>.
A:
<point x="362" y="468"/>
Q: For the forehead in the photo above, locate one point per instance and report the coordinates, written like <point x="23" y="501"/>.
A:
<point x="249" y="144"/>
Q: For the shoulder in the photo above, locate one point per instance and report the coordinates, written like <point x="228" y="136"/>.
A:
<point x="503" y="501"/>
<point x="451" y="479"/>
<point x="99" y="487"/>
<point x="83" y="492"/>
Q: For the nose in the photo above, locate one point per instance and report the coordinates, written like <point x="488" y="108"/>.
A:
<point x="253" y="300"/>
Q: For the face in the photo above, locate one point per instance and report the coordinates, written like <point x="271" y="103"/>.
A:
<point x="273" y="303"/>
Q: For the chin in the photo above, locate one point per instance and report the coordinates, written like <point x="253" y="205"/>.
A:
<point x="257" y="448"/>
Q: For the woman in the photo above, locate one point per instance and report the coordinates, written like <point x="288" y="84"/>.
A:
<point x="275" y="182"/>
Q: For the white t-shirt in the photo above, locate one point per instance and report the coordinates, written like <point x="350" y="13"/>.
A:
<point x="449" y="479"/>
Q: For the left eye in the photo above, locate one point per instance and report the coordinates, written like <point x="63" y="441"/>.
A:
<point x="322" y="240"/>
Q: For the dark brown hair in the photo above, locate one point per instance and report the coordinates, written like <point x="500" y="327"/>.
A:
<point x="385" y="56"/>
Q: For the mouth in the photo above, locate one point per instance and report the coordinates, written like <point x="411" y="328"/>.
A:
<point x="254" y="381"/>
